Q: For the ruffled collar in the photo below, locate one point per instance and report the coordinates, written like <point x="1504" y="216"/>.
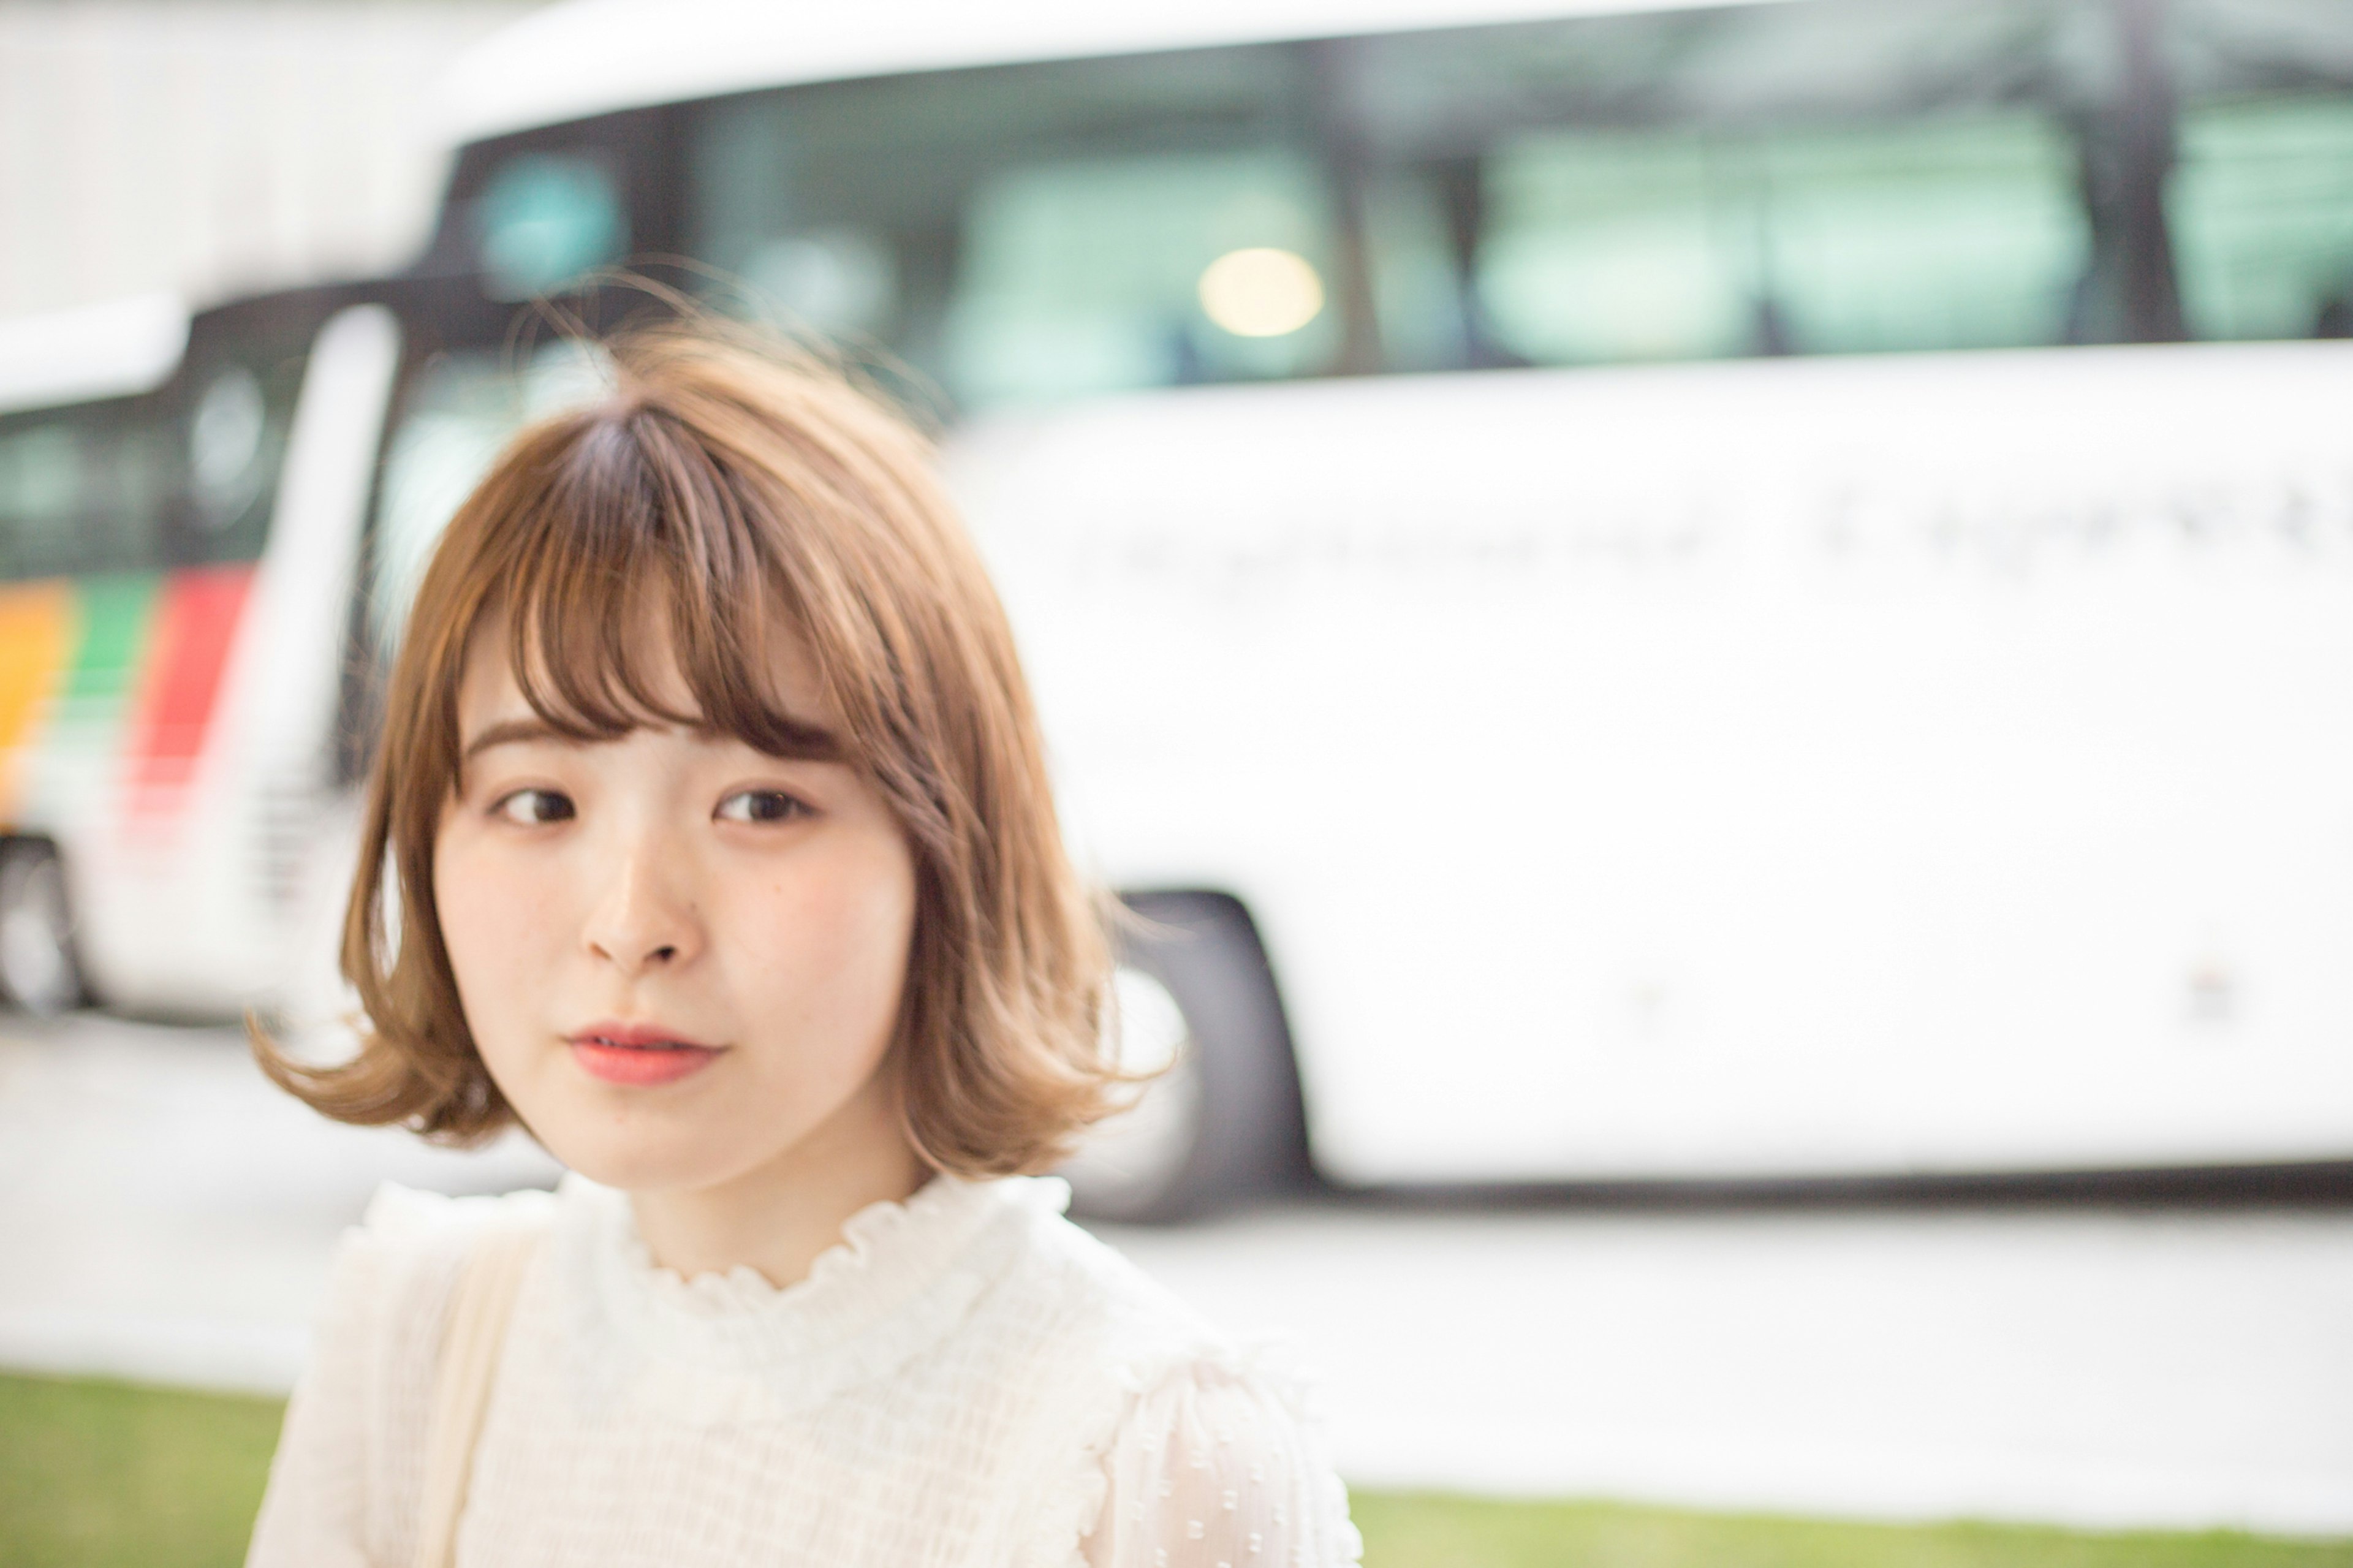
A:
<point x="728" y="1348"/>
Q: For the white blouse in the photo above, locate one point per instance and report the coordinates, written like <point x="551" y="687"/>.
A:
<point x="968" y="1378"/>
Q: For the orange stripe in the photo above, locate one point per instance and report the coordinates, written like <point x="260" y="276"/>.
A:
<point x="36" y="625"/>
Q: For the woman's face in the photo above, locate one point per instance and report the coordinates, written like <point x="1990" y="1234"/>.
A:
<point x="680" y="959"/>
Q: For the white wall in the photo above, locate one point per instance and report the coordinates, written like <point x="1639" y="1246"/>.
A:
<point x="215" y="146"/>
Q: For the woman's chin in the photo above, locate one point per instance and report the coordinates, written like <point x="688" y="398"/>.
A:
<point x="639" y="1159"/>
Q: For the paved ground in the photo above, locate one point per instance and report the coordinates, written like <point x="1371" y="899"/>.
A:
<point x="2096" y="1365"/>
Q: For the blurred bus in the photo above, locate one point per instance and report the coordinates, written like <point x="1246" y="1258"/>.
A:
<point x="1637" y="591"/>
<point x="181" y="504"/>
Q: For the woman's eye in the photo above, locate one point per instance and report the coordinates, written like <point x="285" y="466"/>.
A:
<point x="760" y="805"/>
<point x="532" y="807"/>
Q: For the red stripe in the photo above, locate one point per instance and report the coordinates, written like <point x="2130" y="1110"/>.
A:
<point x="195" y="625"/>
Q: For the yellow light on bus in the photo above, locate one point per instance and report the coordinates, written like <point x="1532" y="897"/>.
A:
<point x="1261" y="292"/>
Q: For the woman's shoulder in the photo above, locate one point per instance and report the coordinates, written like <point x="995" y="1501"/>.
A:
<point x="1184" y="1430"/>
<point x="357" y="1425"/>
<point x="1076" y="1289"/>
<point x="399" y="1264"/>
<point x="1082" y="1306"/>
<point x="412" y="1213"/>
<point x="1221" y="1459"/>
<point x="407" y="1227"/>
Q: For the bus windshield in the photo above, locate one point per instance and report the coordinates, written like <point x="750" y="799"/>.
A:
<point x="1818" y="176"/>
<point x="183" y="476"/>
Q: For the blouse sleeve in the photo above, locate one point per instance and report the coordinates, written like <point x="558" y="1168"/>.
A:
<point x="314" y="1510"/>
<point x="1215" y="1468"/>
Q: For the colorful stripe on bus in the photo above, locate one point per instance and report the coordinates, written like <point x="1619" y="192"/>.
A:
<point x="122" y="672"/>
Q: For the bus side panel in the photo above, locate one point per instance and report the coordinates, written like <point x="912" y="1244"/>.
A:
<point x="123" y="776"/>
<point x="1868" y="765"/>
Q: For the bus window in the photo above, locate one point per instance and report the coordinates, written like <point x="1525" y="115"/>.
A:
<point x="1954" y="235"/>
<point x="2262" y="218"/>
<point x="1963" y="233"/>
<point x="1036" y="231"/>
<point x="186" y="476"/>
<point x="543" y="221"/>
<point x="1644" y="182"/>
<point x="2261" y="203"/>
<point x="227" y="431"/>
<point x="49" y="473"/>
<point x="459" y="411"/>
<point x="1097" y="276"/>
<point x="218" y="440"/>
<point x="1807" y="179"/>
<point x="84" y="490"/>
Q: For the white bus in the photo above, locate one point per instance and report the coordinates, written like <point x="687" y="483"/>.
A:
<point x="1643" y="591"/>
<point x="181" y="502"/>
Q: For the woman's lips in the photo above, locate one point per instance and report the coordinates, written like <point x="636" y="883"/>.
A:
<point x="638" y="1054"/>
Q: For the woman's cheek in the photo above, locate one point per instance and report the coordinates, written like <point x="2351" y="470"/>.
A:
<point x="487" y="925"/>
<point x="877" y="915"/>
<point x="829" y="945"/>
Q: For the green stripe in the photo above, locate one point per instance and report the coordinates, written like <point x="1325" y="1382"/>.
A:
<point x="117" y="615"/>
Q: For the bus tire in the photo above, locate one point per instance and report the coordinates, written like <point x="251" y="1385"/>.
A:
<point x="39" y="971"/>
<point x="1224" y="1123"/>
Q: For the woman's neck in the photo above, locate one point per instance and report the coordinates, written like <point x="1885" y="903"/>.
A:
<point x="777" y="1218"/>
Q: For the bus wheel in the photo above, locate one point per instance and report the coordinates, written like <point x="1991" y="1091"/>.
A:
<point x="38" y="969"/>
<point x="1223" y="1122"/>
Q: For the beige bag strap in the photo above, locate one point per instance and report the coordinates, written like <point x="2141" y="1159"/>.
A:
<point x="479" y="1308"/>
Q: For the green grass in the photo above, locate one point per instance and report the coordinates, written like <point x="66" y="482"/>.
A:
<point x="1406" y="1531"/>
<point x="98" y="1474"/>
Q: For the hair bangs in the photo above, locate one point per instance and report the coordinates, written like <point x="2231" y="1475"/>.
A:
<point x="638" y="596"/>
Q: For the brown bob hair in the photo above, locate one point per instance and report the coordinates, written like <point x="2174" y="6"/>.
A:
<point x="745" y="498"/>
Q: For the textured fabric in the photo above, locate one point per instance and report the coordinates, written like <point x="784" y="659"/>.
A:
<point x="1213" y="1467"/>
<point x="966" y="1379"/>
<point x="472" y="1336"/>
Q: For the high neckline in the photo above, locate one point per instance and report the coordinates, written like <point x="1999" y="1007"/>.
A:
<point x="866" y="1248"/>
<point x="733" y="1346"/>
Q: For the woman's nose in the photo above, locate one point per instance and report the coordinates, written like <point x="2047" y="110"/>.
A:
<point x="642" y="919"/>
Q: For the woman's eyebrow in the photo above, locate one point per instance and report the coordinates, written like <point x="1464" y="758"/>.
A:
<point x="795" y="740"/>
<point x="510" y="732"/>
<point x="789" y="740"/>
